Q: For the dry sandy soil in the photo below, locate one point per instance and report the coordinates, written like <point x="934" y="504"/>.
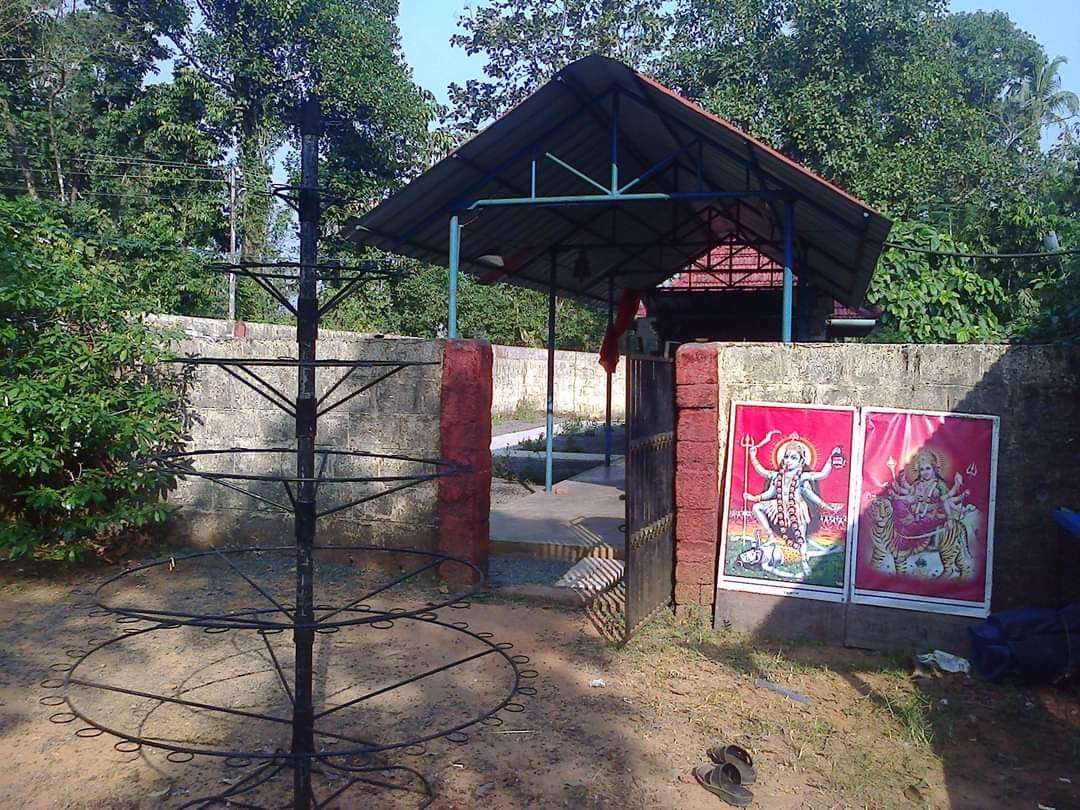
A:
<point x="869" y="737"/>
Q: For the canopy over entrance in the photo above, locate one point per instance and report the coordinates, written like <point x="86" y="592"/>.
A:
<point x="603" y="184"/>
<point x="604" y="181"/>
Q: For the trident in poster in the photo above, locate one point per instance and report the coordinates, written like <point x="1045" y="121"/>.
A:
<point x="747" y="443"/>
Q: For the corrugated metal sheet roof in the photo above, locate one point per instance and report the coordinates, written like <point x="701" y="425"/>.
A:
<point x="638" y="244"/>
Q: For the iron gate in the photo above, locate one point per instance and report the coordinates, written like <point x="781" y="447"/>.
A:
<point x="650" y="488"/>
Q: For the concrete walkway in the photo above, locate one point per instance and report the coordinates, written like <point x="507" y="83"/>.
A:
<point x="583" y="517"/>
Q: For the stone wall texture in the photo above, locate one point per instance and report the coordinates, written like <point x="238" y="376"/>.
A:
<point x="403" y="415"/>
<point x="520" y="383"/>
<point x="465" y="428"/>
<point x="1035" y="390"/>
<point x="697" y="463"/>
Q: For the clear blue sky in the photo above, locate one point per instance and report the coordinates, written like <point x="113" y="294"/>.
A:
<point x="426" y="27"/>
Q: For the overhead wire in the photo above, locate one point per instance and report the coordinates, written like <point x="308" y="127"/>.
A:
<point x="149" y="177"/>
<point x="1048" y="254"/>
<point x="125" y="241"/>
<point x="89" y="193"/>
<point x="127" y="159"/>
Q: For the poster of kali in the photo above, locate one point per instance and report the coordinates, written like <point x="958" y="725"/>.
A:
<point x="926" y="511"/>
<point x="787" y="502"/>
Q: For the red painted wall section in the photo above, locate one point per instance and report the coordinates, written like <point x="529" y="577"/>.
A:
<point x="697" y="474"/>
<point x="465" y="429"/>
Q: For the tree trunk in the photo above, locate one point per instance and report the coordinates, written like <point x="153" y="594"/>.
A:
<point x="17" y="147"/>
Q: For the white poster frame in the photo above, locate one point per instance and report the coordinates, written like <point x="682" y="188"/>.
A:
<point x="775" y="587"/>
<point x="925" y="604"/>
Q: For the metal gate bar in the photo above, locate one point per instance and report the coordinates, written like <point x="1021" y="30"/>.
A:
<point x="650" y="488"/>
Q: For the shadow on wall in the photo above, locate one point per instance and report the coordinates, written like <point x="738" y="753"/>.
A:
<point x="1034" y="391"/>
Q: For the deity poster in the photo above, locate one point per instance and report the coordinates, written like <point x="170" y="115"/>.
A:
<point x="926" y="511"/>
<point x="788" y="500"/>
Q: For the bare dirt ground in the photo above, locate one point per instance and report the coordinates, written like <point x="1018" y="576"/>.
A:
<point x="868" y="738"/>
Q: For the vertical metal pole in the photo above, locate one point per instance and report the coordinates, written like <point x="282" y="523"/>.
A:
<point x="789" y="274"/>
<point x="607" y="400"/>
<point x="232" y="241"/>
<point x="307" y="325"/>
<point x="615" y="142"/>
<point x="548" y="473"/>
<point x="455" y="257"/>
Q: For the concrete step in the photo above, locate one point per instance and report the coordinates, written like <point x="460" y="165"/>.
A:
<point x="581" y="585"/>
<point x="592" y="575"/>
<point x="554" y="550"/>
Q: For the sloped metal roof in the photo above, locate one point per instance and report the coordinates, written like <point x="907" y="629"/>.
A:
<point x="637" y="244"/>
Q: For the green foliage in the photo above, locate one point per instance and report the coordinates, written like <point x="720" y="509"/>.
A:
<point x="932" y="117"/>
<point x="865" y="93"/>
<point x="417" y="305"/>
<point x="269" y="56"/>
<point x="527" y="41"/>
<point x="130" y="162"/>
<point x="83" y="389"/>
<point x="934" y="299"/>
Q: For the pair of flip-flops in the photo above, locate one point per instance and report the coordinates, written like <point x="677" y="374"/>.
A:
<point x="728" y="774"/>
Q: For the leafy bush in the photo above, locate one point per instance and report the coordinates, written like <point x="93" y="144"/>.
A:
<point x="934" y="299"/>
<point x="82" y="388"/>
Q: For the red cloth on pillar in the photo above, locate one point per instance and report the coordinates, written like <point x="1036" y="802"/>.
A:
<point x="624" y="316"/>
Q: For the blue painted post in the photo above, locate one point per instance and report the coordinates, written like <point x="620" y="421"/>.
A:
<point x="455" y="256"/>
<point x="607" y="401"/>
<point x="549" y="453"/>
<point x="789" y="274"/>
<point x="615" y="143"/>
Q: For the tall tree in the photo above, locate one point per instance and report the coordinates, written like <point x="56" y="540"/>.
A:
<point x="865" y="93"/>
<point x="1038" y="102"/>
<point x="911" y="108"/>
<point x="991" y="55"/>
<point x="527" y="41"/>
<point x="268" y="56"/>
<point x="128" y="160"/>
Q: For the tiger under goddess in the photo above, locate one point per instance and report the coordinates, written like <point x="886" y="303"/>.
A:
<point x="951" y="540"/>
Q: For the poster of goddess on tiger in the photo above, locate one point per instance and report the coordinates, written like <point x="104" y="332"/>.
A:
<point x="787" y="510"/>
<point x="925" y="525"/>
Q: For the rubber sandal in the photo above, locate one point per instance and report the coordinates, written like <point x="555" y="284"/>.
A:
<point x="724" y="782"/>
<point x="737" y="756"/>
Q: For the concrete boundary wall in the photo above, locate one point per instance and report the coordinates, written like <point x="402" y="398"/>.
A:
<point x="520" y="383"/>
<point x="440" y="409"/>
<point x="1033" y="389"/>
<point x="519" y="374"/>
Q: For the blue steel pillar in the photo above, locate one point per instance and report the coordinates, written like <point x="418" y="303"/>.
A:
<point x="550" y="449"/>
<point x="455" y="256"/>
<point x="789" y="274"/>
<point x="607" y="400"/>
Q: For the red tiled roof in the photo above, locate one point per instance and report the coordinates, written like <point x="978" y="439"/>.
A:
<point x="729" y="266"/>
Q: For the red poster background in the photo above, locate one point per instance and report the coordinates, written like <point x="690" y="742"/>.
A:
<point x="955" y="445"/>
<point x="821" y="430"/>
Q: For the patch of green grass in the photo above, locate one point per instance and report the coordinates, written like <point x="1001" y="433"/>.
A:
<point x="910" y="708"/>
<point x="688" y="630"/>
<point x="578" y="427"/>
<point x="522" y="413"/>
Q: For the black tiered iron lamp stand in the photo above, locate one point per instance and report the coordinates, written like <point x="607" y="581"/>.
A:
<point x="305" y="618"/>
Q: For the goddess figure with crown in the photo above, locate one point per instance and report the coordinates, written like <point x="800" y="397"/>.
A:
<point x="789" y="509"/>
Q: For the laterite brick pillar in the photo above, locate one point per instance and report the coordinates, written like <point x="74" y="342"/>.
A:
<point x="465" y="432"/>
<point x="697" y="474"/>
